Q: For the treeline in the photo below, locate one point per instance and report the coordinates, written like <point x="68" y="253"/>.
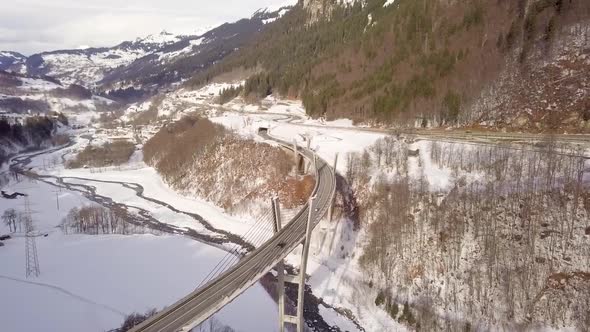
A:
<point x="97" y="220"/>
<point x="174" y="148"/>
<point x="33" y="132"/>
<point x="228" y="94"/>
<point x="74" y="92"/>
<point x="414" y="59"/>
<point x="110" y="154"/>
<point x="22" y="105"/>
<point x="488" y="247"/>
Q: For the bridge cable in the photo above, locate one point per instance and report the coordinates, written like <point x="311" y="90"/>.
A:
<point x="233" y="255"/>
<point x="264" y="218"/>
<point x="234" y="250"/>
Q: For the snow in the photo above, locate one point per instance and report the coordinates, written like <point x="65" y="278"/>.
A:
<point x="196" y="42"/>
<point x="163" y="38"/>
<point x="89" y="283"/>
<point x="83" y="68"/>
<point x="439" y="179"/>
<point x="348" y="2"/>
<point x="77" y="111"/>
<point x="155" y="188"/>
<point x="35" y="84"/>
<point x="388" y="3"/>
<point x="279" y="5"/>
<point x="287" y="120"/>
<point x="270" y="20"/>
<point x="334" y="278"/>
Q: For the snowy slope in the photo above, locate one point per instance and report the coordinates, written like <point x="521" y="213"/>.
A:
<point x="88" y="66"/>
<point x="33" y="94"/>
<point x="179" y="61"/>
<point x="12" y="61"/>
<point x="90" y="283"/>
<point x="150" y="62"/>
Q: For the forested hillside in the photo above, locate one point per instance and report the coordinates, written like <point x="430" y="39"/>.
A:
<point x="425" y="62"/>
<point x="502" y="246"/>
<point x="200" y="158"/>
<point x="33" y="133"/>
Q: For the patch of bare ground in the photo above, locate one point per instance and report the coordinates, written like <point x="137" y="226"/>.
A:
<point x="549" y="94"/>
<point x="145" y="117"/>
<point x="295" y="191"/>
<point x="560" y="280"/>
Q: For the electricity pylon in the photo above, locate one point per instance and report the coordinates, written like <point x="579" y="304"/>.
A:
<point x="32" y="259"/>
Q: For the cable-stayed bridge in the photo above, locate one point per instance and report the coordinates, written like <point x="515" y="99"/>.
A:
<point x="205" y="301"/>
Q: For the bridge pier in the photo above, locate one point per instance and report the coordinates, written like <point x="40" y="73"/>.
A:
<point x="276" y="209"/>
<point x="298" y="320"/>
<point x="331" y="208"/>
<point x="298" y="159"/>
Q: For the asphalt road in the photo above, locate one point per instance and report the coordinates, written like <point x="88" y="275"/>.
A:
<point x="207" y="300"/>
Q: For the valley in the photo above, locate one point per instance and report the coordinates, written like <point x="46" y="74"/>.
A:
<point x="426" y="164"/>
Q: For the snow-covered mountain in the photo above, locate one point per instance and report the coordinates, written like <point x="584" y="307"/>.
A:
<point x="23" y="94"/>
<point x="88" y="66"/>
<point x="12" y="61"/>
<point x="187" y="56"/>
<point x="145" y="65"/>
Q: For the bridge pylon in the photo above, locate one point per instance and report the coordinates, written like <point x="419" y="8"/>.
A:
<point x="299" y="280"/>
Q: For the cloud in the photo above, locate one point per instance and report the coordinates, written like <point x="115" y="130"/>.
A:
<point x="32" y="26"/>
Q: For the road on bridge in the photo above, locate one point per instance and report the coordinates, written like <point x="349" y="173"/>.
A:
<point x="207" y="300"/>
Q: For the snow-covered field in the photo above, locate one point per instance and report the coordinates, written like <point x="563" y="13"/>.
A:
<point x="89" y="283"/>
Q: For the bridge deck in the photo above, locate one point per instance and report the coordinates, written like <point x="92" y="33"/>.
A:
<point x="207" y="300"/>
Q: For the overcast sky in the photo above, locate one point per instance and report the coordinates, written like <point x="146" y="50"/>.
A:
<point x="31" y="26"/>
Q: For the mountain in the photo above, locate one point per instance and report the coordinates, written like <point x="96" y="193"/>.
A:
<point x="22" y="95"/>
<point x="189" y="55"/>
<point x="500" y="64"/>
<point x="12" y="61"/>
<point x="136" y="69"/>
<point x="89" y="66"/>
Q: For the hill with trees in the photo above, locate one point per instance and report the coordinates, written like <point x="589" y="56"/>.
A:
<point x="427" y="63"/>
<point x="203" y="159"/>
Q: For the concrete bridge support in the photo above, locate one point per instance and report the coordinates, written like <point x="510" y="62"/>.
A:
<point x="299" y="161"/>
<point x="299" y="280"/>
<point x="331" y="208"/>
